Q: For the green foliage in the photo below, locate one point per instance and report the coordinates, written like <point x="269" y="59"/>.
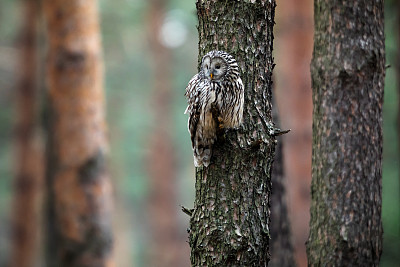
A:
<point x="391" y="160"/>
<point x="8" y="33"/>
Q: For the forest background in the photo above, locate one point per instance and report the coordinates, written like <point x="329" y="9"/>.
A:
<point x="130" y="82"/>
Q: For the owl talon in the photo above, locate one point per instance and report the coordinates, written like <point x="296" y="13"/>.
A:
<point x="220" y="123"/>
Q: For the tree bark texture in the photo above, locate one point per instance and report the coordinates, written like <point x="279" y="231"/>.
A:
<point x="293" y="50"/>
<point x="79" y="188"/>
<point x="28" y="179"/>
<point x="281" y="238"/>
<point x="230" y="221"/>
<point x="167" y="246"/>
<point x="347" y="79"/>
<point x="398" y="72"/>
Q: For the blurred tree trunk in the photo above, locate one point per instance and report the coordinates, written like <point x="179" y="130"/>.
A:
<point x="398" y="71"/>
<point x="281" y="245"/>
<point x="230" y="222"/>
<point x="79" y="187"/>
<point x="29" y="152"/>
<point x="167" y="245"/>
<point x="294" y="43"/>
<point x="347" y="78"/>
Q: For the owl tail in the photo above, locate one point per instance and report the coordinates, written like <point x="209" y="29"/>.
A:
<point x="203" y="136"/>
<point x="202" y="155"/>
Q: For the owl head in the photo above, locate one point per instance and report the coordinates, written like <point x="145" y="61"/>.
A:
<point x="217" y="64"/>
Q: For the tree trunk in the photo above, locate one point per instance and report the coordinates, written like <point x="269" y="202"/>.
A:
<point x="398" y="73"/>
<point x="167" y="246"/>
<point x="294" y="42"/>
<point x="281" y="245"/>
<point x="347" y="79"/>
<point x="79" y="189"/>
<point x="29" y="152"/>
<point x="230" y="222"/>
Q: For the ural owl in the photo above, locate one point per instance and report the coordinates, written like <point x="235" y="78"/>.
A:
<point x="215" y="99"/>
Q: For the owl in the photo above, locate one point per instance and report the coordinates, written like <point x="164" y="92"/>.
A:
<point x="215" y="99"/>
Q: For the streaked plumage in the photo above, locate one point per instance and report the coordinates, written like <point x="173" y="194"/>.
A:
<point x="217" y="86"/>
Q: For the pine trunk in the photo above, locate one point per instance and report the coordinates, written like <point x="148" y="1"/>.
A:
<point x="347" y="79"/>
<point x="79" y="189"/>
<point x="167" y="246"/>
<point x="230" y="222"/>
<point x="294" y="43"/>
<point x="28" y="150"/>
<point x="398" y="73"/>
<point x="281" y="239"/>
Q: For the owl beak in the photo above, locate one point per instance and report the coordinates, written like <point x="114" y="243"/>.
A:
<point x="211" y="75"/>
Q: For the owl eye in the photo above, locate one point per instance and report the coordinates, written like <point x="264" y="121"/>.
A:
<point x="218" y="67"/>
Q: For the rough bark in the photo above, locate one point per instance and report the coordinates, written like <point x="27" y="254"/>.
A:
<point x="398" y="73"/>
<point x="281" y="238"/>
<point x="230" y="221"/>
<point x="347" y="79"/>
<point x="294" y="43"/>
<point x="28" y="150"/>
<point x="78" y="185"/>
<point x="167" y="246"/>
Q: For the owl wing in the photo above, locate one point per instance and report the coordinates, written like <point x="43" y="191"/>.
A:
<point x="191" y="93"/>
<point x="193" y="109"/>
<point x="201" y="126"/>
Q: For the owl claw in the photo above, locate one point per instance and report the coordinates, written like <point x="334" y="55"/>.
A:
<point x="220" y="123"/>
